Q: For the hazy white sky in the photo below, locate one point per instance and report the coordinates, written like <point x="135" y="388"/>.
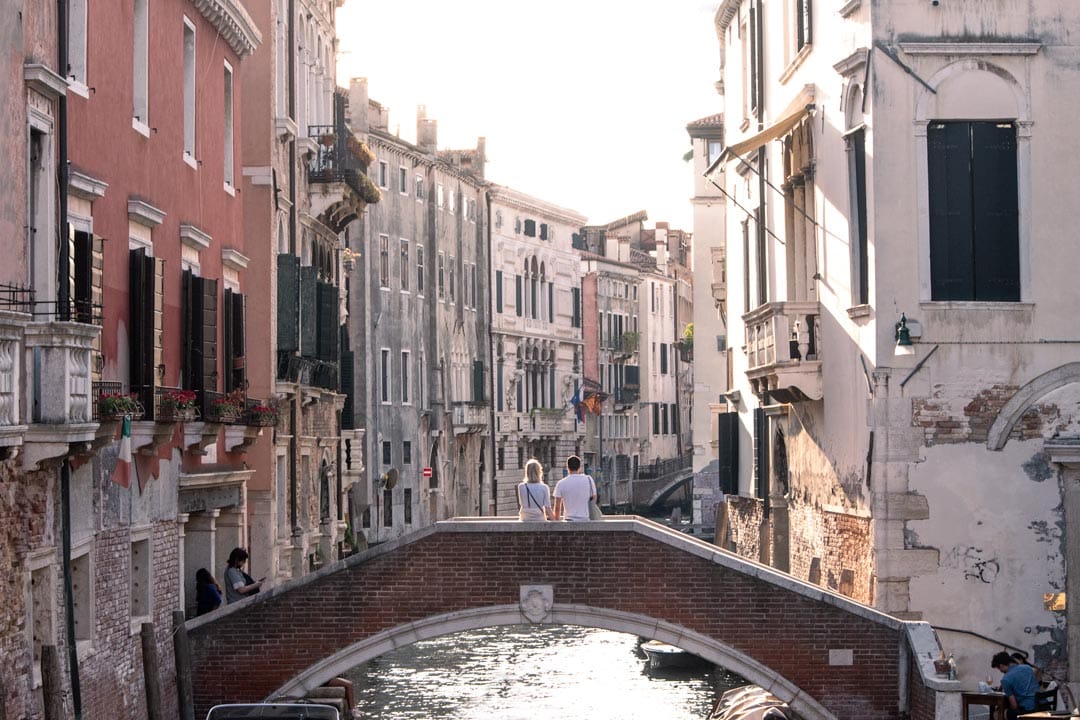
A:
<point x="584" y="103"/>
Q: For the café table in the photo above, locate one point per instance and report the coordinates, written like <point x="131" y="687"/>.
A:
<point x="994" y="700"/>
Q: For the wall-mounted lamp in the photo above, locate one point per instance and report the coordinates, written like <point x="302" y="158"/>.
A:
<point x="902" y="335"/>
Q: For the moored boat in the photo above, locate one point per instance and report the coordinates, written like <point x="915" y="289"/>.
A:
<point x="663" y="655"/>
<point x="751" y="702"/>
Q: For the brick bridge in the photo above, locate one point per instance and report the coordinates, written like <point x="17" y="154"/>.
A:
<point x="829" y="657"/>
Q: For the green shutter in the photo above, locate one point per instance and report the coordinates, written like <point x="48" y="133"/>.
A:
<point x="996" y="212"/>
<point x="309" y="311"/>
<point x="727" y="452"/>
<point x="517" y="294"/>
<point x="950" y="193"/>
<point x="478" y="380"/>
<point x="327" y="322"/>
<point x="227" y="337"/>
<point x="346" y="380"/>
<point x="209" y="333"/>
<point x="288" y="337"/>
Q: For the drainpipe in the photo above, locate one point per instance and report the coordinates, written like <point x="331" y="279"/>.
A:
<point x="63" y="297"/>
<point x="491" y="358"/>
<point x="69" y="599"/>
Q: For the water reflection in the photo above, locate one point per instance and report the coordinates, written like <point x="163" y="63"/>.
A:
<point x="526" y="672"/>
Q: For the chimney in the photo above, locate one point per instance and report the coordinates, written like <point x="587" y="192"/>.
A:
<point x="427" y="131"/>
<point x="357" y="117"/>
<point x="481" y="157"/>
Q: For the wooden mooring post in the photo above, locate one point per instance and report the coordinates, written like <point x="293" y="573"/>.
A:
<point x="151" y="672"/>
<point x="183" y="666"/>
<point x="52" y="681"/>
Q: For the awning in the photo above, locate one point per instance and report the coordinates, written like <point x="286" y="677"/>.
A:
<point x="793" y="114"/>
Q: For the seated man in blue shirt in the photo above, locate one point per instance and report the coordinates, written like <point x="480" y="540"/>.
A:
<point x="1019" y="684"/>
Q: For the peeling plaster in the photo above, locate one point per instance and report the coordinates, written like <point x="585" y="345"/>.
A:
<point x="1038" y="467"/>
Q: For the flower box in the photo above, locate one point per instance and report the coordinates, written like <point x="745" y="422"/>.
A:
<point x="261" y="416"/>
<point x="177" y="406"/>
<point x="114" y="406"/>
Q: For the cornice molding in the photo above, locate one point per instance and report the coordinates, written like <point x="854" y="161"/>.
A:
<point x="232" y="258"/>
<point x="970" y="48"/>
<point x="520" y="201"/>
<point x="144" y="213"/>
<point x="83" y="186"/>
<point x="849" y="7"/>
<point x="233" y="23"/>
<point x="42" y="79"/>
<point x="853" y="63"/>
<point x="194" y="238"/>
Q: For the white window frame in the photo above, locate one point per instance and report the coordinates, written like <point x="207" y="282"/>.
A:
<point x="405" y="370"/>
<point x="403" y="180"/>
<point x="229" y="152"/>
<point x="404" y="266"/>
<point x="189" y="92"/>
<point x="419" y="180"/>
<point x="420" y="279"/>
<point x="384" y="376"/>
<point x="77" y="46"/>
<point x="140" y="91"/>
<point x="384" y="174"/>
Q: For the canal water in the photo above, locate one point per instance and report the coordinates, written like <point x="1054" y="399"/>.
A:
<point x="524" y="672"/>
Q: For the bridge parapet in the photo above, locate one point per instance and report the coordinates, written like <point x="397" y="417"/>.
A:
<point x="827" y="655"/>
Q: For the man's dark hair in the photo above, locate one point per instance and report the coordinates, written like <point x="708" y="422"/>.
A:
<point x="573" y="463"/>
<point x="1002" y="658"/>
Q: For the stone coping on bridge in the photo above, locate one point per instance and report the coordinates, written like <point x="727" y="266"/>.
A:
<point x="922" y="640"/>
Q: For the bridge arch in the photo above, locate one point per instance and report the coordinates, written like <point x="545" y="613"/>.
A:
<point x="830" y="657"/>
<point x="703" y="646"/>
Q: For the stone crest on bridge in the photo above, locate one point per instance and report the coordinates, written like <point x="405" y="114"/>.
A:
<point x="536" y="601"/>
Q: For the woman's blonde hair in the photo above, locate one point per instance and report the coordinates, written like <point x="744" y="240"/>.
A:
<point x="534" y="471"/>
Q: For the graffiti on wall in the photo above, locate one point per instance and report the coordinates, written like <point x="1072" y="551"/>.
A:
<point x="972" y="562"/>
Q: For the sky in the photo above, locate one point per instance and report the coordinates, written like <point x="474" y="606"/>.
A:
<point x="583" y="103"/>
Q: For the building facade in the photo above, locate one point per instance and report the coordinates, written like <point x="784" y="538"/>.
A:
<point x="419" y="307"/>
<point x="893" y="185"/>
<point x="536" y="331"/>
<point x="710" y="348"/>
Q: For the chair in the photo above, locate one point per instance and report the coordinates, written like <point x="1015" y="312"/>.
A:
<point x="1046" y="699"/>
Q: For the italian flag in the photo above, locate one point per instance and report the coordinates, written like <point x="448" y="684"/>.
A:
<point x="122" y="473"/>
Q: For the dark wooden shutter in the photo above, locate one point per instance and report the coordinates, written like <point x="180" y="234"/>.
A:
<point x="656" y="418"/>
<point x="84" y="277"/>
<point x="227" y="337"/>
<point x="209" y="333"/>
<point x="232" y="339"/>
<point x="239" y="341"/>
<point x="498" y="291"/>
<point x="551" y="302"/>
<point x="327" y="322"/>
<point x="950" y="194"/>
<point x="518" y="295"/>
<point x="141" y="319"/>
<point x="478" y="381"/>
<point x="858" y="149"/>
<point x="727" y="451"/>
<point x="188" y="329"/>
<point x="575" y="300"/>
<point x="996" y="212"/>
<point x="309" y="311"/>
<point x="288" y="335"/>
<point x="663" y="358"/>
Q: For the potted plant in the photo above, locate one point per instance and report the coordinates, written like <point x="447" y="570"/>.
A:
<point x="327" y="139"/>
<point x="113" y="406"/>
<point x="226" y="409"/>
<point x="261" y="416"/>
<point x="177" y="406"/>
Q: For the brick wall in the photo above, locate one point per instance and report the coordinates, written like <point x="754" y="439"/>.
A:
<point x="745" y="515"/>
<point x="832" y="549"/>
<point x="622" y="571"/>
<point x="968" y="419"/>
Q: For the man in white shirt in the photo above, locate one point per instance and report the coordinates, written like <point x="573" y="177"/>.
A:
<point x="574" y="493"/>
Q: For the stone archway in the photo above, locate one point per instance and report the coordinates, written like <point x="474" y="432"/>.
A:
<point x="1025" y="397"/>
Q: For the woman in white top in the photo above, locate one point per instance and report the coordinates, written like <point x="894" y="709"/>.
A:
<point x="534" y="496"/>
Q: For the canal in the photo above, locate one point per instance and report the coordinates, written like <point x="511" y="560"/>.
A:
<point x="524" y="672"/>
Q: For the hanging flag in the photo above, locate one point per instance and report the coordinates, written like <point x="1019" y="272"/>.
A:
<point x="579" y="410"/>
<point x="122" y="472"/>
<point x="592" y="403"/>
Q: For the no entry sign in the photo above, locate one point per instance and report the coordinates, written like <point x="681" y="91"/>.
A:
<point x="427" y="472"/>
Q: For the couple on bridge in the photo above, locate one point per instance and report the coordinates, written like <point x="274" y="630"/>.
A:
<point x="575" y="494"/>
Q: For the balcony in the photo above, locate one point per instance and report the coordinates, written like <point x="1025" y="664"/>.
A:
<point x="307" y="371"/>
<point x="507" y="422"/>
<point x="627" y="395"/>
<point x="340" y="187"/>
<point x="782" y="353"/>
<point x="12" y="424"/>
<point x="546" y="421"/>
<point x="470" y="417"/>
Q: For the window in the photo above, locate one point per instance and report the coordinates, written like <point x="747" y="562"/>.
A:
<point x="82" y="589"/>
<point x="440" y="276"/>
<point x="440" y="195"/>
<point x="419" y="187"/>
<point x="419" y="269"/>
<point x="517" y="226"/>
<point x="384" y="376"/>
<point x="140" y="63"/>
<point x="405" y="268"/>
<point x="76" y="71"/>
<point x="714" y="149"/>
<point x="228" y="128"/>
<point x="498" y="291"/>
<point x="388" y="508"/>
<point x="407" y="507"/>
<point x="803" y="19"/>
<point x="189" y="91"/>
<point x="530" y="228"/>
<point x="387" y="451"/>
<point x="384" y="174"/>
<point x="384" y="261"/>
<point x="42" y="614"/>
<point x="974" y="211"/>
<point x="451" y="198"/>
<point x="663" y="358"/>
<point x="405" y="376"/>
<point x="140" y="578"/>
<point x="860" y="285"/>
<point x="543" y="231"/>
<point x="403" y="181"/>
<point x="406" y="452"/>
<point x="453" y="287"/>
<point x="518" y="296"/>
<point x="501" y="458"/>
<point x="521" y="457"/>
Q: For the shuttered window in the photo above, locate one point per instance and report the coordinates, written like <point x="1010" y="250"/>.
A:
<point x="142" y="303"/>
<point x="498" y="291"/>
<point x="518" y="295"/>
<point x="727" y="452"/>
<point x="288" y="325"/>
<point x="326" y="322"/>
<point x="478" y="393"/>
<point x="974" y="211"/>
<point x="575" y="299"/>
<point x="200" y="301"/>
<point x="232" y="340"/>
